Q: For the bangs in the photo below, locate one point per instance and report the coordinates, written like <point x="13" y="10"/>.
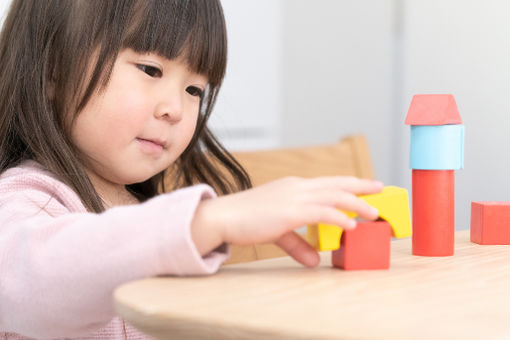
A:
<point x="191" y="30"/>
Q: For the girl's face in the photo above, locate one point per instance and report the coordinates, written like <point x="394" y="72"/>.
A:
<point x="142" y="121"/>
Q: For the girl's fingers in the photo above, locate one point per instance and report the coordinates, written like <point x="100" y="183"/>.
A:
<point x="353" y="185"/>
<point x="330" y="215"/>
<point x="347" y="202"/>
<point x="298" y="249"/>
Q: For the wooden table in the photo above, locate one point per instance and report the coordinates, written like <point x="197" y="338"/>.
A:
<point x="466" y="296"/>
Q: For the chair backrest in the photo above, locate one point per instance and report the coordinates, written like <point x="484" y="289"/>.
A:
<point x="349" y="157"/>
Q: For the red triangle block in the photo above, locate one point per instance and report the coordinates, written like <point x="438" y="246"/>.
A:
<point x="433" y="109"/>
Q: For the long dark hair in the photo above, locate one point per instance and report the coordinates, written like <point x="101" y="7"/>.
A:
<point x="45" y="48"/>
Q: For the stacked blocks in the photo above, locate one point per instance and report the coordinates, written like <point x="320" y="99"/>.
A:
<point x="365" y="247"/>
<point x="490" y="222"/>
<point x="393" y="206"/>
<point x="437" y="149"/>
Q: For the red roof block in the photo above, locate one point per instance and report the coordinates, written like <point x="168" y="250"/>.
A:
<point x="433" y="109"/>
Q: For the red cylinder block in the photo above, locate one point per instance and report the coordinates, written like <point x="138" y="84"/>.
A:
<point x="433" y="212"/>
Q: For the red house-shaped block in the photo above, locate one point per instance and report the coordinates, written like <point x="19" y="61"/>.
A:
<point x="365" y="247"/>
<point x="433" y="109"/>
<point x="490" y="222"/>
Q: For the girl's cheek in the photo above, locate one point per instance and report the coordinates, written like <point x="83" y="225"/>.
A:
<point x="191" y="128"/>
<point x="131" y="108"/>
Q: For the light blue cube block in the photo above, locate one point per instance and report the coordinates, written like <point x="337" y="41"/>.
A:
<point x="438" y="147"/>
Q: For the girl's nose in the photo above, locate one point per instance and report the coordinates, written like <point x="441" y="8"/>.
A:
<point x="170" y="108"/>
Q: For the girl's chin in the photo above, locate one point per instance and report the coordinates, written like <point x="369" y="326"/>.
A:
<point x="137" y="180"/>
<point x="141" y="177"/>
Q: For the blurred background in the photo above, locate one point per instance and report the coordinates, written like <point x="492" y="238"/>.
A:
<point x="306" y="72"/>
<point x="309" y="72"/>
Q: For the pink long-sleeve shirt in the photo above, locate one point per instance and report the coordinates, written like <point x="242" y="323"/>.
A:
<point x="60" y="264"/>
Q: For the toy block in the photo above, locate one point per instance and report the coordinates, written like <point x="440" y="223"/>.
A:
<point x="365" y="247"/>
<point x="437" y="147"/>
<point x="490" y="222"/>
<point x="324" y="237"/>
<point x="433" y="212"/>
<point x="433" y="109"/>
<point x="393" y="206"/>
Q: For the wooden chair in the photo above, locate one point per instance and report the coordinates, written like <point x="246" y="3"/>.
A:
<point x="349" y="157"/>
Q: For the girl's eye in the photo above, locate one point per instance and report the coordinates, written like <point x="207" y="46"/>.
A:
<point x="195" y="91"/>
<point x="152" y="71"/>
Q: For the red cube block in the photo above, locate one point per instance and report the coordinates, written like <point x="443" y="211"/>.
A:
<point x="365" y="247"/>
<point x="490" y="222"/>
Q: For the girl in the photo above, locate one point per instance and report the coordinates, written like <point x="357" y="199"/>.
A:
<point x="97" y="99"/>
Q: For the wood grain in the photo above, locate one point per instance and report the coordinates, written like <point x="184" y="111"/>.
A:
<point x="465" y="296"/>
<point x="349" y="157"/>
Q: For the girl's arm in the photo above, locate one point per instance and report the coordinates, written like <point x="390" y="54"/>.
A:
<point x="271" y="212"/>
<point x="58" y="271"/>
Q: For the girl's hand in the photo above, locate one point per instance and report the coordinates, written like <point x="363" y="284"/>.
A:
<point x="271" y="212"/>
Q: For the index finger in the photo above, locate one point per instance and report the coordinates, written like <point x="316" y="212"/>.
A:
<point x="354" y="185"/>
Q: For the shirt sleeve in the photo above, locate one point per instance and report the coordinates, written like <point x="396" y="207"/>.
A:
<point x="58" y="273"/>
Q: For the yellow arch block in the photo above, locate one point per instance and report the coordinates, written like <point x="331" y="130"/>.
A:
<point x="324" y="236"/>
<point x="393" y="206"/>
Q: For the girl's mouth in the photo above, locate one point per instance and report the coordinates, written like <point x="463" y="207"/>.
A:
<point x="151" y="145"/>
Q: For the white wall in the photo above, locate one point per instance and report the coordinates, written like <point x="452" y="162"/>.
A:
<point x="4" y="6"/>
<point x="309" y="72"/>
<point x="247" y="114"/>
<point x="338" y="75"/>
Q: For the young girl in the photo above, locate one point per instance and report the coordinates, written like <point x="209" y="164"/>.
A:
<point x="97" y="99"/>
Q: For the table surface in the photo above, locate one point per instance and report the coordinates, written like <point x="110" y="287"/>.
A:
<point x="465" y="296"/>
